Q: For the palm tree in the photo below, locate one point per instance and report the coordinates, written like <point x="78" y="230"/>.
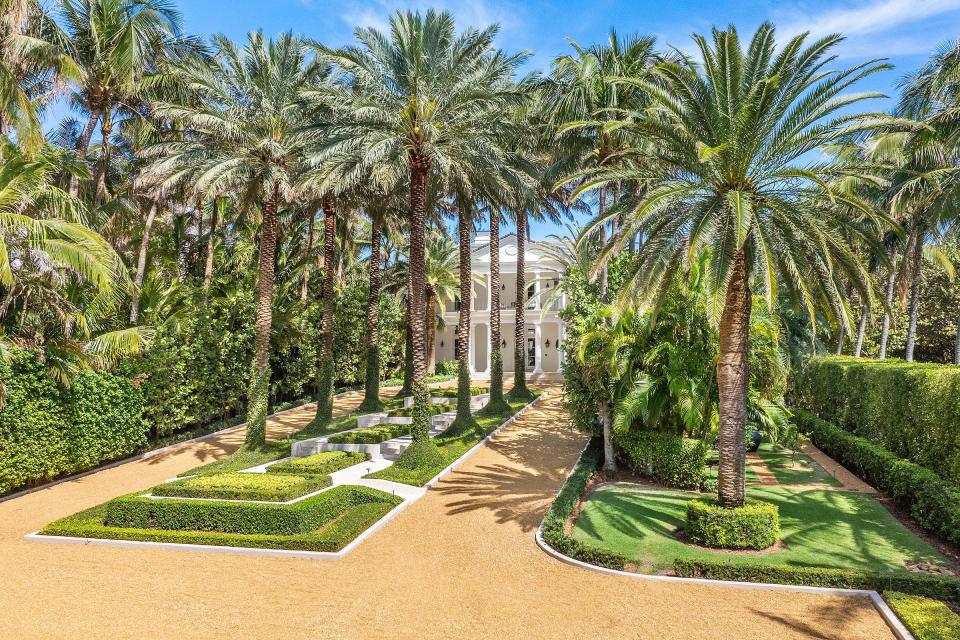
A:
<point x="244" y="138"/>
<point x="497" y="404"/>
<point x="115" y="44"/>
<point x="724" y="177"/>
<point x="418" y="103"/>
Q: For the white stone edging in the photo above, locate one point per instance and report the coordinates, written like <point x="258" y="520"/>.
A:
<point x="287" y="553"/>
<point x="898" y="628"/>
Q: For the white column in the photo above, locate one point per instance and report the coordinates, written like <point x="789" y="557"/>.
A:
<point x="536" y="289"/>
<point x="561" y="335"/>
<point x="537" y="350"/>
<point x="470" y="341"/>
<point x="486" y="330"/>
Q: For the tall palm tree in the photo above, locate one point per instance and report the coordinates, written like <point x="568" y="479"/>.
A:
<point x="115" y="45"/>
<point x="418" y="102"/>
<point x="726" y="174"/>
<point x="244" y="139"/>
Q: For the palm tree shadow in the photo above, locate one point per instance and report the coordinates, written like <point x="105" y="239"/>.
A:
<point x="828" y="621"/>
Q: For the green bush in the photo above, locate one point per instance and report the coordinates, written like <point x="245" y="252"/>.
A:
<point x="452" y="393"/>
<point x="927" y="619"/>
<point x="755" y="525"/>
<point x="244" y="486"/>
<point x="235" y="517"/>
<point x="932" y="501"/>
<point x="939" y="587"/>
<point x="447" y="368"/>
<point x="319" y="463"/>
<point x="671" y="459"/>
<point x="562" y="508"/>
<point x="371" y="435"/>
<point x="48" y="431"/>
<point x="433" y="409"/>
<point x="368" y="507"/>
<point x="911" y="409"/>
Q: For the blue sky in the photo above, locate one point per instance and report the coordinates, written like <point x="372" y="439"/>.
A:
<point x="905" y="31"/>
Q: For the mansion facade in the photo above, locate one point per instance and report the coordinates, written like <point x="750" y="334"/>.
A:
<point x="545" y="329"/>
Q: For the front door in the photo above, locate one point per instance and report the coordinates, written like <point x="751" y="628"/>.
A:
<point x="531" y="349"/>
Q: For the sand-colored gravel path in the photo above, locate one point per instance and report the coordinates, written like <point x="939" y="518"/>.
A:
<point x="460" y="563"/>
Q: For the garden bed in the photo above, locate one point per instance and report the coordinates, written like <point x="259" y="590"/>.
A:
<point x="318" y="463"/>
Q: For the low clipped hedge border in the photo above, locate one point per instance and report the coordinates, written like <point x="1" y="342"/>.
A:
<point x="371" y="435"/>
<point x="933" y="502"/>
<point x="931" y="586"/>
<point x="562" y="508"/>
<point x="134" y="512"/>
<point x="244" y="486"/>
<point x="911" y="409"/>
<point x="452" y="393"/>
<point x="318" y="463"/>
<point x="927" y="619"/>
<point x="669" y="458"/>
<point x="755" y="525"/>
<point x="433" y="409"/>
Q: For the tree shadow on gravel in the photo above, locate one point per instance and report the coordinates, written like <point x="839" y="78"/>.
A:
<point x="825" y="622"/>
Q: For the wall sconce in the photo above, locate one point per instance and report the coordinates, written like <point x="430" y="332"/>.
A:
<point x="441" y="344"/>
<point x="547" y="344"/>
<point x="503" y="287"/>
<point x="503" y="344"/>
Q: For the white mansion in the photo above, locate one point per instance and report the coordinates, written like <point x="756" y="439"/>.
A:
<point x="545" y="329"/>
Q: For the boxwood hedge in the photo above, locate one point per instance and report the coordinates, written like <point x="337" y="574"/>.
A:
<point x="319" y="463"/>
<point x="755" y="525"/>
<point x="911" y="409"/>
<point x="269" y="487"/>
<point x="669" y="458"/>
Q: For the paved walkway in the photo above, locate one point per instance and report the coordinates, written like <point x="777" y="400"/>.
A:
<point x="459" y="563"/>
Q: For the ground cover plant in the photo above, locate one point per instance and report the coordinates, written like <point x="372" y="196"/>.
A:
<point x="326" y="522"/>
<point x="272" y="487"/>
<point x="820" y="528"/>
<point x="319" y="463"/>
<point x="927" y="619"/>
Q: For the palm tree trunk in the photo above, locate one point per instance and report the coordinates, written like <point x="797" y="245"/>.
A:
<point x="406" y="389"/>
<point x="83" y="146"/>
<point x="371" y="399"/>
<point x="304" y="286"/>
<point x="419" y="172"/>
<point x="602" y="197"/>
<point x="609" y="461"/>
<point x="497" y="403"/>
<point x="325" y="374"/>
<point x="914" y="299"/>
<point x="891" y="280"/>
<point x="142" y="264"/>
<point x="732" y="379"/>
<point x="841" y="335"/>
<point x="106" y="129"/>
<point x="464" y="223"/>
<point x="259" y="389"/>
<point x="956" y="344"/>
<point x="861" y="330"/>
<point x="431" y="324"/>
<point x="520" y="391"/>
<point x="211" y="245"/>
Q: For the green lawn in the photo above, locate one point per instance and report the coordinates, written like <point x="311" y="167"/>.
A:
<point x="799" y="469"/>
<point x="821" y="528"/>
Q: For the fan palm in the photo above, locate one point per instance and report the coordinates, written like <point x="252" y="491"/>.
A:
<point x="727" y="173"/>
<point x="244" y="138"/>
<point x="417" y="103"/>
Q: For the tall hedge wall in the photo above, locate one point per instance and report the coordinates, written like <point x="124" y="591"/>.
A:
<point x="48" y="431"/>
<point x="912" y="409"/>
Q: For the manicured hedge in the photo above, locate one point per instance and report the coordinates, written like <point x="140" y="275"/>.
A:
<point x="671" y="459"/>
<point x="433" y="409"/>
<point x="452" y="393"/>
<point x="755" y="525"/>
<point x="927" y="619"/>
<point x="939" y="587"/>
<point x="933" y="502"/>
<point x="371" y="435"/>
<point x="235" y="517"/>
<point x="319" y="463"/>
<point x="244" y="486"/>
<point x="562" y="508"/>
<point x="912" y="409"/>
<point x="48" y="431"/>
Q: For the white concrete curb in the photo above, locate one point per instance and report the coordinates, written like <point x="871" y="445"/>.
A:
<point x="899" y="630"/>
<point x="284" y="553"/>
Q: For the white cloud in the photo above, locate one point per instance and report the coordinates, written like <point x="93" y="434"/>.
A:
<point x="468" y="13"/>
<point x="876" y="16"/>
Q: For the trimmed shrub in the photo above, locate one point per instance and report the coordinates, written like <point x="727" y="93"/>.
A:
<point x="433" y="409"/>
<point x="562" y="508"/>
<point x="940" y="587"/>
<point x="371" y="435"/>
<point x="452" y="393"/>
<point x="927" y="619"/>
<point x="911" y="409"/>
<point x="755" y="525"/>
<point x="671" y="459"/>
<point x="319" y="463"/>
<point x="932" y="501"/>
<point x="244" y="486"/>
<point x="48" y="431"/>
<point x="235" y="517"/>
